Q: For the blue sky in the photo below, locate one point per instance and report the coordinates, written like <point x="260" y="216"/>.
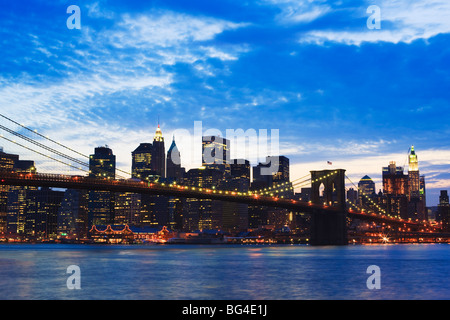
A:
<point x="335" y="89"/>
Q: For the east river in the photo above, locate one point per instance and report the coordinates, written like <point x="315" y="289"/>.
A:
<point x="224" y="272"/>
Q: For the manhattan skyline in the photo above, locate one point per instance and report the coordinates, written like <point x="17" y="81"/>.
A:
<point x="336" y="90"/>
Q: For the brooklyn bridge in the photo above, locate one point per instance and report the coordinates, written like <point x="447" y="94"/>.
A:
<point x="328" y="207"/>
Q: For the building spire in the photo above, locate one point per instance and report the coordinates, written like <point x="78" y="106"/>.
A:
<point x="413" y="164"/>
<point x="158" y="135"/>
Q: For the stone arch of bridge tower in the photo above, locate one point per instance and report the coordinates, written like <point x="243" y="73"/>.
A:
<point x="333" y="182"/>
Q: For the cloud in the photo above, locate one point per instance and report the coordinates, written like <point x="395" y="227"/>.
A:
<point x="95" y="11"/>
<point x="299" y="11"/>
<point x="401" y="21"/>
<point x="60" y="101"/>
<point x="339" y="148"/>
<point x="166" y="29"/>
<point x="101" y="68"/>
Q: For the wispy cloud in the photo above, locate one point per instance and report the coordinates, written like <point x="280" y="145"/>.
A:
<point x="130" y="61"/>
<point x="299" y="11"/>
<point x="166" y="29"/>
<point x="401" y="21"/>
<point x="60" y="101"/>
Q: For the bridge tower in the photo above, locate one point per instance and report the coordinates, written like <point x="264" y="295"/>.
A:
<point x="329" y="227"/>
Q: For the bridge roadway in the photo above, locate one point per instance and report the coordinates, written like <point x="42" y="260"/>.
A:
<point x="87" y="183"/>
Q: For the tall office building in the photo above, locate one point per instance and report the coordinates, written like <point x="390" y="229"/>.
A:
<point x="269" y="176"/>
<point x="274" y="171"/>
<point x="395" y="182"/>
<point x="422" y="190"/>
<point x="396" y="190"/>
<point x="149" y="163"/>
<point x="413" y="174"/>
<point x="443" y="213"/>
<point x="149" y="160"/>
<point x="416" y="188"/>
<point x="141" y="162"/>
<point x="366" y="190"/>
<point x="41" y="218"/>
<point x="352" y="196"/>
<point x="6" y="164"/>
<point x="235" y="215"/>
<point x="7" y="160"/>
<point x="202" y="213"/>
<point x="174" y="171"/>
<point x="15" y="196"/>
<point x="281" y="173"/>
<point x="102" y="164"/>
<point x="240" y="175"/>
<point x="127" y="208"/>
<point x="26" y="211"/>
<point x="73" y="214"/>
<point x="216" y="153"/>
<point x="159" y="154"/>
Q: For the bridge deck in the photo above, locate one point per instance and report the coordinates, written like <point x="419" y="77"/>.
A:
<point x="87" y="183"/>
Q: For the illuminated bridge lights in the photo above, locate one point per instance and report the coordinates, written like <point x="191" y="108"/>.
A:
<point x="57" y="180"/>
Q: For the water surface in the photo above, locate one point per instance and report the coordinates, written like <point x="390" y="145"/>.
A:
<point x="225" y="272"/>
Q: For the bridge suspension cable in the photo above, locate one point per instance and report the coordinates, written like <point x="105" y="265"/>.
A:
<point x="43" y="146"/>
<point x="84" y="164"/>
<point x="282" y="187"/>
<point x="33" y="141"/>
<point x="42" y="154"/>
<point x="42" y="136"/>
<point x="368" y="198"/>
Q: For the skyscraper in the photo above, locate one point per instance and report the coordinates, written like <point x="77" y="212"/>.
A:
<point x="235" y="215"/>
<point x="413" y="174"/>
<point x="395" y="182"/>
<point x="352" y="196"/>
<point x="443" y="213"/>
<point x="13" y="199"/>
<point x="41" y="218"/>
<point x="127" y="208"/>
<point x="141" y="162"/>
<point x="174" y="171"/>
<point x="395" y="189"/>
<point x="102" y="164"/>
<point x="203" y="213"/>
<point x="366" y="190"/>
<point x="274" y="171"/>
<point x="73" y="214"/>
<point x="159" y="154"/>
<point x="272" y="177"/>
<point x="416" y="188"/>
<point x="216" y="153"/>
<point x="6" y="164"/>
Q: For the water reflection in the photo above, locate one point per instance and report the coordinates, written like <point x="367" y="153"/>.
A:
<point x="224" y="272"/>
